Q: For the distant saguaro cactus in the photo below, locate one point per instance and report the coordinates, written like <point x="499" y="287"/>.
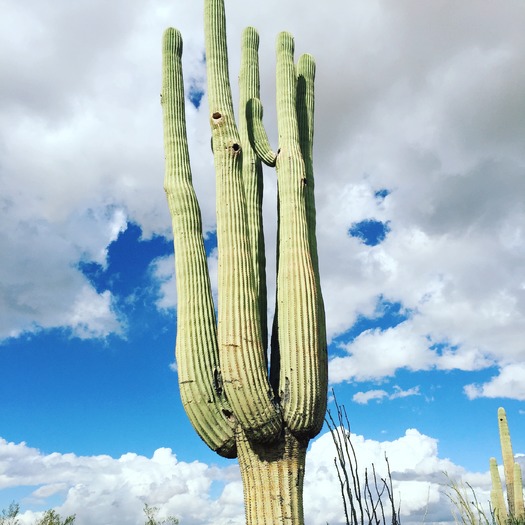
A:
<point x="513" y="479"/>
<point x="238" y="403"/>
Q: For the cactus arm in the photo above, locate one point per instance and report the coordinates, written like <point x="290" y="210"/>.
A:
<point x="196" y="347"/>
<point x="496" y="494"/>
<point x="249" y="86"/>
<point x="258" y="139"/>
<point x="305" y="101"/>
<point x="219" y="92"/>
<point x="305" y="120"/>
<point x="305" y="117"/>
<point x="302" y="379"/>
<point x="257" y="134"/>
<point x="242" y="356"/>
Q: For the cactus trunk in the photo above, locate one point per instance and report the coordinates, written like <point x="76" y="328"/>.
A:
<point x="235" y="404"/>
<point x="508" y="457"/>
<point x="272" y="477"/>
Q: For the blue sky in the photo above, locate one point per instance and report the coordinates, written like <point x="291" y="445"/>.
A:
<point x="419" y="189"/>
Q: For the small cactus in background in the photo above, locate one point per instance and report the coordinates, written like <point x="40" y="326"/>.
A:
<point x="241" y="405"/>
<point x="513" y="479"/>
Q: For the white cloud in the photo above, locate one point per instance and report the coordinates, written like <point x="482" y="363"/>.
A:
<point x="363" y="398"/>
<point x="77" y="150"/>
<point x="102" y="490"/>
<point x="376" y="354"/>
<point x="91" y="315"/>
<point x="399" y="392"/>
<point x="41" y="286"/>
<point x="510" y="383"/>
<point x="164" y="273"/>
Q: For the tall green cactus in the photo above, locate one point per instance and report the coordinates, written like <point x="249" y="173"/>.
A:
<point x="513" y="478"/>
<point x="236" y="404"/>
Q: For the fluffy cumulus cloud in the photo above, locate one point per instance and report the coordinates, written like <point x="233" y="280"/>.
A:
<point x="41" y="284"/>
<point x="106" y="490"/>
<point x="510" y="382"/>
<point x="419" y="115"/>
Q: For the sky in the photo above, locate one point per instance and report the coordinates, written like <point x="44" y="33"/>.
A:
<point x="420" y="176"/>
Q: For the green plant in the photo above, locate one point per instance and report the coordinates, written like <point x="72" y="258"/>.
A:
<point x="513" y="479"/>
<point x="466" y="508"/>
<point x="9" y="516"/>
<point x="363" y="502"/>
<point x="237" y="406"/>
<point x="152" y="519"/>
<point x="51" y="517"/>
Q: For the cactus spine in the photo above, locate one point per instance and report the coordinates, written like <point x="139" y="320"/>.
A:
<point x="513" y="479"/>
<point x="234" y="403"/>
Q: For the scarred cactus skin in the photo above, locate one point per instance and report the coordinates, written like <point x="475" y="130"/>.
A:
<point x="236" y="404"/>
<point x="513" y="479"/>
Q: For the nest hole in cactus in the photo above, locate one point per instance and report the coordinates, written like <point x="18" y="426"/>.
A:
<point x="228" y="415"/>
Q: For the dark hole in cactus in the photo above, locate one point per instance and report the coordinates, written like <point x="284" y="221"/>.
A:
<point x="285" y="395"/>
<point x="236" y="147"/>
<point x="216" y="116"/>
<point x="217" y="381"/>
<point x="227" y="414"/>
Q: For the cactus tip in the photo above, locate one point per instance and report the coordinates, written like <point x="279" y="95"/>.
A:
<point x="285" y="41"/>
<point x="172" y="40"/>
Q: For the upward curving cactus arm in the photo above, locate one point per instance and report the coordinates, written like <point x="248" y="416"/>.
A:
<point x="196" y="348"/>
<point x="305" y="108"/>
<point x="249" y="87"/>
<point x="497" y="499"/>
<point x="299" y="337"/>
<point x="242" y="355"/>
<point x="305" y="116"/>
<point x="302" y="359"/>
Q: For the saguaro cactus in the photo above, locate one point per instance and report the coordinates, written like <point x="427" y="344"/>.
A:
<point x="241" y="405"/>
<point x="513" y="478"/>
